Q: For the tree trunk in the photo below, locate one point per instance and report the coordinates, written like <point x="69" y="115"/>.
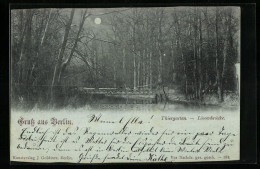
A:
<point x="57" y="69"/>
<point x="138" y="71"/>
<point x="185" y="70"/>
<point x="195" y="56"/>
<point x="39" y="47"/>
<point x="66" y="63"/>
<point x="147" y="68"/>
<point x="207" y="54"/>
<point x="150" y="70"/>
<point x="25" y="56"/>
<point x="184" y="62"/>
<point x="159" y="47"/>
<point x="219" y="83"/>
<point x="173" y="62"/>
<point x="200" y="59"/>
<point x="22" y="29"/>
<point x="114" y="76"/>
<point x="134" y="53"/>
<point x="124" y="67"/>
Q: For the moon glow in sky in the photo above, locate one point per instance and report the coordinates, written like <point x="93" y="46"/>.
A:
<point x="97" y="21"/>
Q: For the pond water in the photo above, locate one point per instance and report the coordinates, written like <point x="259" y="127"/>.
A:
<point x="147" y="104"/>
<point x="121" y="103"/>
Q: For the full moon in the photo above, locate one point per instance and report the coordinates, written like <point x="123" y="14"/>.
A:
<point x="97" y="21"/>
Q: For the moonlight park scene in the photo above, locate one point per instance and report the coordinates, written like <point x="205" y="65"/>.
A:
<point x="177" y="57"/>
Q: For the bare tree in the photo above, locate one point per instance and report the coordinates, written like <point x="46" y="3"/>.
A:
<point x="57" y="70"/>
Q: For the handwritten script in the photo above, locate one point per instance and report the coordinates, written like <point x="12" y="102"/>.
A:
<point x="103" y="138"/>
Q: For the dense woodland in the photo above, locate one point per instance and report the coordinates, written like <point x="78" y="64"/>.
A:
<point x="192" y="50"/>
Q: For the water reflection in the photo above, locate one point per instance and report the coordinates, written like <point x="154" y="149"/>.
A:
<point x="120" y="103"/>
<point x="108" y="103"/>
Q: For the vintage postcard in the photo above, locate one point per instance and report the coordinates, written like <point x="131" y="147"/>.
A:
<point x="125" y="85"/>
